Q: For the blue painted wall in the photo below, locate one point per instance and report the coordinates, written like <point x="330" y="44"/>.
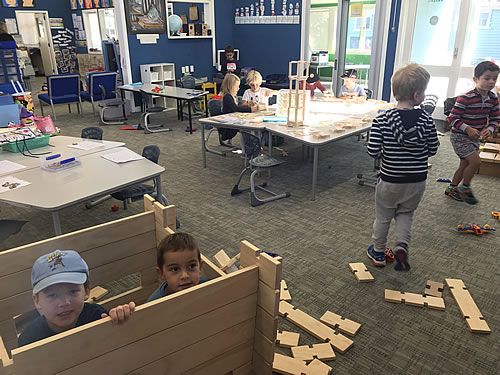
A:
<point x="391" y="49"/>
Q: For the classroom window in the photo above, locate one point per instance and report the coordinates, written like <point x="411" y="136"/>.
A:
<point x="485" y="19"/>
<point x="322" y="29"/>
<point x="354" y="42"/>
<point x="99" y="25"/>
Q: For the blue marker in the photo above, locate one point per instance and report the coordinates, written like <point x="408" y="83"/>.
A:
<point x="66" y="161"/>
<point x="55" y="156"/>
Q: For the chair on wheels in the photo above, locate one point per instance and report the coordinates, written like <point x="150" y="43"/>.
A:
<point x="257" y="162"/>
<point x="92" y="132"/>
<point x="62" y="89"/>
<point x="136" y="192"/>
<point x="197" y="106"/>
<point x="429" y="104"/>
<point x="101" y="86"/>
<point x="149" y="111"/>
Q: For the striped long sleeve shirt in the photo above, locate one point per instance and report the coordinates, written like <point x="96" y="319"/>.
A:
<point x="404" y="139"/>
<point x="474" y="110"/>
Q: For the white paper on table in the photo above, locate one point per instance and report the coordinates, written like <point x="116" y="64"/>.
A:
<point x="10" y="183"/>
<point x="86" y="145"/>
<point x="7" y="166"/>
<point x="122" y="155"/>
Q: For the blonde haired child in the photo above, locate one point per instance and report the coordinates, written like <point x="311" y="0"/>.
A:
<point x="255" y="94"/>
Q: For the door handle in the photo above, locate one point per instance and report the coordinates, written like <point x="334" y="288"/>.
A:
<point x="455" y="52"/>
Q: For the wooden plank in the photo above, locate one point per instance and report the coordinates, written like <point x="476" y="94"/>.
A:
<point x="210" y="270"/>
<point x="361" y="272"/>
<point x="263" y="346"/>
<point x="165" y="215"/>
<point x="270" y="270"/>
<point x="201" y="351"/>
<point x="148" y="203"/>
<point x="284" y="293"/>
<point x="315" y="327"/>
<point x="222" y="259"/>
<point x="248" y="254"/>
<point x="96" y="293"/>
<point x="161" y="314"/>
<point x="139" y="295"/>
<point x="161" y="233"/>
<point x="434" y="288"/>
<point x="260" y="366"/>
<point x="316" y="367"/>
<point x="491" y="147"/>
<point x="266" y="323"/>
<point x="20" y="282"/>
<point x="231" y="360"/>
<point x="283" y="364"/>
<point x="4" y="356"/>
<point x="23" y="257"/>
<point x="309" y="352"/>
<point x="414" y="299"/>
<point x="336" y="321"/>
<point x="467" y="306"/>
<point x="171" y="217"/>
<point x="287" y="339"/>
<point x="246" y="369"/>
<point x="268" y="299"/>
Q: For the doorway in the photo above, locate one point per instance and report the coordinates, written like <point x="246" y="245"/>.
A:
<point x="448" y="38"/>
<point x="34" y="28"/>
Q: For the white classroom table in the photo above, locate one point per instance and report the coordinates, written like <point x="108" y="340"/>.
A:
<point x="58" y="145"/>
<point x="95" y="177"/>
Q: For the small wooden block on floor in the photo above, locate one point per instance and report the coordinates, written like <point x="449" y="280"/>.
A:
<point x="97" y="293"/>
<point x="467" y="306"/>
<point x="283" y="364"/>
<point x="361" y="272"/>
<point x="284" y="293"/>
<point x="433" y="288"/>
<point x="287" y="339"/>
<point x="308" y="353"/>
<point x="336" y="321"/>
<point x="414" y="299"/>
<point x="316" y="367"/>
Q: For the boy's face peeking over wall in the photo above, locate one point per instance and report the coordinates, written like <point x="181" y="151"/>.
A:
<point x="181" y="269"/>
<point x="61" y="305"/>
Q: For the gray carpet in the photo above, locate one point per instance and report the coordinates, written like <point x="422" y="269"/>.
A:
<point x="317" y="241"/>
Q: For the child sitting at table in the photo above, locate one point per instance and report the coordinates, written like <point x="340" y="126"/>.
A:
<point x="350" y="87"/>
<point x="179" y="264"/>
<point x="60" y="282"/>
<point x="255" y="94"/>
<point x="229" y="90"/>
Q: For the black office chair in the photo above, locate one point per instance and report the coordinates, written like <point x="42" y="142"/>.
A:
<point x="136" y="192"/>
<point x="92" y="132"/>
<point x="257" y="161"/>
<point x="369" y="93"/>
<point x="215" y="109"/>
<point x="189" y="82"/>
<point x="149" y="111"/>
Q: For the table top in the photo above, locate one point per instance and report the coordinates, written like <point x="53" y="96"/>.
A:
<point x="58" y="145"/>
<point x="166" y="91"/>
<point x="95" y="177"/>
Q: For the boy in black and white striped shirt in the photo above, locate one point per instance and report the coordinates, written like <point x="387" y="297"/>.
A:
<point x="403" y="138"/>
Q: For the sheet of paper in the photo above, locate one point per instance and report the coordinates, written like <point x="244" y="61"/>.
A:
<point x="7" y="167"/>
<point x="122" y="155"/>
<point x="10" y="183"/>
<point x="86" y="145"/>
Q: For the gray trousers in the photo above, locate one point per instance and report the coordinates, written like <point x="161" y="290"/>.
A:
<point x="398" y="202"/>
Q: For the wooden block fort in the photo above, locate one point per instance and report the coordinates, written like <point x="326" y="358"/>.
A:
<point x="361" y="272"/>
<point x="414" y="299"/>
<point x="225" y="325"/>
<point x="467" y="306"/>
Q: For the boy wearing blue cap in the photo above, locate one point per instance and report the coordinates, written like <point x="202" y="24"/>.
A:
<point x="60" y="282"/>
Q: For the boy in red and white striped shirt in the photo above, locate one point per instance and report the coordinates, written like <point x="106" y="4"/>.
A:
<point x="476" y="115"/>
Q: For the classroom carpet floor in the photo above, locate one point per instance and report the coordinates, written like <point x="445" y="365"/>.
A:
<point x="317" y="239"/>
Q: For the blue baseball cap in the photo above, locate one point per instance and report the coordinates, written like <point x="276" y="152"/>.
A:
<point x="60" y="266"/>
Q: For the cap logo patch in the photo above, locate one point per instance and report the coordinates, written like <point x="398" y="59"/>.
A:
<point x="55" y="260"/>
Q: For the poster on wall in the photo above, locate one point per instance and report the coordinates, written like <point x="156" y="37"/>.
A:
<point x="27" y="3"/>
<point x="10" y="3"/>
<point x="145" y="16"/>
<point x="56" y="23"/>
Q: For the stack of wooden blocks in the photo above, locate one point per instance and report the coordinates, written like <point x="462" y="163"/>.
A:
<point x="490" y="160"/>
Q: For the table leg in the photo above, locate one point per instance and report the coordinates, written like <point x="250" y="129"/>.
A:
<point x="270" y="143"/>
<point x="206" y="104"/>
<point x="315" y="173"/>
<point x="203" y="147"/>
<point x="159" y="191"/>
<point x="57" y="223"/>
<point x="178" y="111"/>
<point x="190" y="118"/>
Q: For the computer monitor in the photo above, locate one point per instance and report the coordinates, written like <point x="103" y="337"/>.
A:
<point x="221" y="55"/>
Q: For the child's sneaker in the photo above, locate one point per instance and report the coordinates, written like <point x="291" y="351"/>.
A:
<point x="377" y="257"/>
<point x="401" y="256"/>
<point x="389" y="255"/>
<point x="466" y="194"/>
<point x="452" y="192"/>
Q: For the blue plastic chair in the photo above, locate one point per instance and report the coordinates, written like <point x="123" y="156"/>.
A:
<point x="62" y="89"/>
<point x="101" y="86"/>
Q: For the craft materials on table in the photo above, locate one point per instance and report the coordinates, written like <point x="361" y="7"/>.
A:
<point x="10" y="183"/>
<point x="56" y="162"/>
<point x="122" y="155"/>
<point x="7" y="166"/>
<point x="86" y="145"/>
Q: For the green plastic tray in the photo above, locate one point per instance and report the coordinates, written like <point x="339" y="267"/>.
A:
<point x="28" y="144"/>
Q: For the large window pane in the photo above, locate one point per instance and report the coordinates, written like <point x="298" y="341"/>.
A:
<point x="318" y="35"/>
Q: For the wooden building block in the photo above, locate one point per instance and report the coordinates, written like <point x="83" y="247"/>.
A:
<point x="248" y="254"/>
<point x="270" y="270"/>
<point x="316" y="367"/>
<point x="287" y="339"/>
<point x="284" y="293"/>
<point x="414" y="299"/>
<point x="467" y="306"/>
<point x="336" y="321"/>
<point x="97" y="293"/>
<point x="148" y="202"/>
<point x="433" y="288"/>
<point x="309" y="352"/>
<point x="283" y="364"/>
<point x="361" y="273"/>
<point x="222" y="259"/>
<point x="491" y="147"/>
<point x="314" y="327"/>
